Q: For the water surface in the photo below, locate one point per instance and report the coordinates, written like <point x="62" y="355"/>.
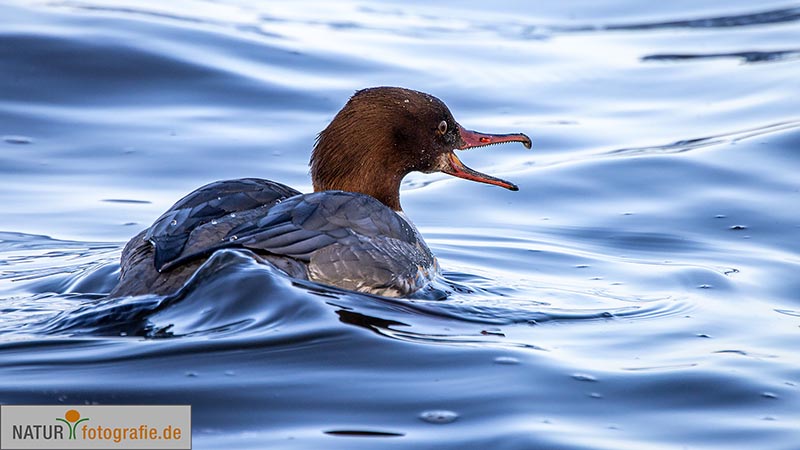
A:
<point x="639" y="291"/>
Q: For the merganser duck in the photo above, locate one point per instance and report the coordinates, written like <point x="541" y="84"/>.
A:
<point x="350" y="232"/>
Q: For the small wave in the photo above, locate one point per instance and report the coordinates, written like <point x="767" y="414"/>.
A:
<point x="40" y="264"/>
<point x="788" y="312"/>
<point x="682" y="145"/>
<point x="229" y="294"/>
<point x="748" y="57"/>
<point x="138" y="11"/>
<point x="232" y="296"/>
<point x="702" y="142"/>
<point x="127" y="201"/>
<point x="769" y="17"/>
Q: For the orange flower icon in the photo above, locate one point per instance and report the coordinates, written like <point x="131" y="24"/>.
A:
<point x="72" y="418"/>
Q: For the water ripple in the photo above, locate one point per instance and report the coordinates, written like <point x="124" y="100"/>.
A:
<point x="698" y="143"/>
<point x="646" y="269"/>
<point x="745" y="56"/>
<point x="679" y="146"/>
<point x="774" y="16"/>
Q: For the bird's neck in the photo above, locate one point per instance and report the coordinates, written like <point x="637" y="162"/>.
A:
<point x="370" y="167"/>
<point x="384" y="187"/>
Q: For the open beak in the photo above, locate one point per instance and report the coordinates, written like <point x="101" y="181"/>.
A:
<point x="472" y="139"/>
<point x="451" y="165"/>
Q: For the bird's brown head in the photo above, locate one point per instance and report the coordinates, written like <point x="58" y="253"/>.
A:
<point x="384" y="133"/>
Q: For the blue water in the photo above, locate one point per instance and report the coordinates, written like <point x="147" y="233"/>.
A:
<point x="641" y="290"/>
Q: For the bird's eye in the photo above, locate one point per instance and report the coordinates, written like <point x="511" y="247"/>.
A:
<point x="442" y="129"/>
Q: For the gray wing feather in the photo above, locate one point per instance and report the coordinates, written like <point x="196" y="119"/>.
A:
<point x="381" y="265"/>
<point x="170" y="232"/>
<point x="346" y="239"/>
<point x="329" y="217"/>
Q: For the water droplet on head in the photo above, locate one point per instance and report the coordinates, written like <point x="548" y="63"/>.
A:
<point x="233" y="238"/>
<point x="214" y="222"/>
<point x="173" y="223"/>
<point x="233" y="215"/>
<point x="439" y="416"/>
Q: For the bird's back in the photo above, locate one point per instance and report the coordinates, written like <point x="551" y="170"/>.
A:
<point x="344" y="239"/>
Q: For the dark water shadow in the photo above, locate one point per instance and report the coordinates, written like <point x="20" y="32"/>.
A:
<point x="755" y="18"/>
<point x="747" y="57"/>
